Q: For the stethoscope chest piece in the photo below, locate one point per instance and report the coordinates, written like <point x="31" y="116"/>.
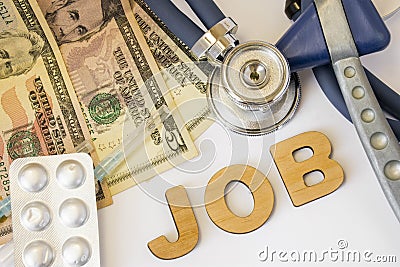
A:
<point x="253" y="92"/>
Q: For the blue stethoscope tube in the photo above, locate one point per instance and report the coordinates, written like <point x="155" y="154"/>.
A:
<point x="184" y="28"/>
<point x="207" y="11"/>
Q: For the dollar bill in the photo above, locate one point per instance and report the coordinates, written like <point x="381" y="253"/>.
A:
<point x="112" y="69"/>
<point x="184" y="75"/>
<point x="40" y="113"/>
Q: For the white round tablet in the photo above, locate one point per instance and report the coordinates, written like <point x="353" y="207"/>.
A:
<point x="76" y="251"/>
<point x="38" y="254"/>
<point x="73" y="212"/>
<point x="70" y="174"/>
<point x="33" y="177"/>
<point x="35" y="216"/>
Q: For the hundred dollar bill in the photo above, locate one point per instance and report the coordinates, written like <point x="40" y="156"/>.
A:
<point x="186" y="77"/>
<point x="40" y="113"/>
<point x="112" y="69"/>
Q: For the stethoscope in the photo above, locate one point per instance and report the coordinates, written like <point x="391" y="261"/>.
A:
<point x="251" y="90"/>
<point x="254" y="89"/>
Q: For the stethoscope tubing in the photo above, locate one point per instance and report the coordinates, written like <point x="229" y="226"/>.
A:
<point x="207" y="11"/>
<point x="183" y="27"/>
<point x="388" y="98"/>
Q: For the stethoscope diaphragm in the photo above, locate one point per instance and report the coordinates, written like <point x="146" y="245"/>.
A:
<point x="253" y="92"/>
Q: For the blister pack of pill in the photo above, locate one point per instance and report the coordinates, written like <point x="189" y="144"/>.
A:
<point x="54" y="211"/>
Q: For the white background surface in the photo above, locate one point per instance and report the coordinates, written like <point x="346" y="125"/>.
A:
<point x="357" y="212"/>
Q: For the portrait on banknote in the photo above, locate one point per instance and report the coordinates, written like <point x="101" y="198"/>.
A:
<point x="19" y="51"/>
<point x="78" y="20"/>
<point x="40" y="112"/>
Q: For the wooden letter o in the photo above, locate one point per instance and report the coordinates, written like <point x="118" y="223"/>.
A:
<point x="258" y="185"/>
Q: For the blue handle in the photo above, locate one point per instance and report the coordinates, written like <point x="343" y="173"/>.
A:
<point x="176" y="21"/>
<point x="304" y="43"/>
<point x="368" y="28"/>
<point x="207" y="11"/>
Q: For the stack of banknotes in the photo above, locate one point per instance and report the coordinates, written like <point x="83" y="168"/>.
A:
<point x="82" y="74"/>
